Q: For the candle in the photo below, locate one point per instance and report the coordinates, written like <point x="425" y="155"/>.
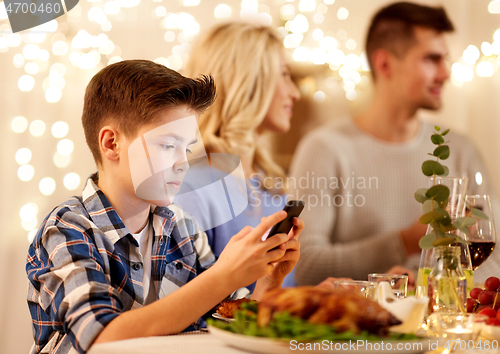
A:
<point x="459" y="333"/>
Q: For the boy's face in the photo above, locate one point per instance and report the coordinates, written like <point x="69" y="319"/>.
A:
<point x="421" y="74"/>
<point x="158" y="155"/>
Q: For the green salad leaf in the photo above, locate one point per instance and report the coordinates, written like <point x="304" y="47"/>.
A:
<point x="284" y="325"/>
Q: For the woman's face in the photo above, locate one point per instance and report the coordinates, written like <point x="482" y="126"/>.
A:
<point x="281" y="109"/>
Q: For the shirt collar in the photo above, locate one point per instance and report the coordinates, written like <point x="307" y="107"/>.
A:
<point x="107" y="219"/>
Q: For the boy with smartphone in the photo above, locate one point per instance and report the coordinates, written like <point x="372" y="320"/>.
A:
<point x="121" y="261"/>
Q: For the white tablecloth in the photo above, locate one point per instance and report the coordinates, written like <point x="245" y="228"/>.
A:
<point x="200" y="343"/>
<point x="185" y="343"/>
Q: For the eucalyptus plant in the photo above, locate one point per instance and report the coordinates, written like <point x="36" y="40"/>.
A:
<point x="435" y="199"/>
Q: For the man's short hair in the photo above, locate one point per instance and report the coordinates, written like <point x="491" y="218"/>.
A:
<point x="132" y="93"/>
<point x="392" y="27"/>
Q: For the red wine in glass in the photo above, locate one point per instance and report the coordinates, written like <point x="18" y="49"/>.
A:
<point x="480" y="251"/>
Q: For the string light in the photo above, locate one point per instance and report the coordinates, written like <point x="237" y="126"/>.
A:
<point x="71" y="181"/>
<point x="65" y="147"/>
<point x="37" y="128"/>
<point x="342" y="13"/>
<point x="61" y="161"/>
<point x="60" y="129"/>
<point x="19" y="124"/>
<point x="25" y="172"/>
<point x="23" y="156"/>
<point x="47" y="186"/>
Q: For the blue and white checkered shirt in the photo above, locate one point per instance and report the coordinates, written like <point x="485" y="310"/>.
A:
<point x="84" y="267"/>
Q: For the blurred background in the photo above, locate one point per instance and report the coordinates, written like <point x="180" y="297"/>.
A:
<point x="44" y="72"/>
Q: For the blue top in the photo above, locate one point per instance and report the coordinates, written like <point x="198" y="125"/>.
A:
<point x="210" y="207"/>
<point x="260" y="203"/>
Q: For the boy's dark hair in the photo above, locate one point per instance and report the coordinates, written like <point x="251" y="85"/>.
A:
<point x="392" y="27"/>
<point x="132" y="93"/>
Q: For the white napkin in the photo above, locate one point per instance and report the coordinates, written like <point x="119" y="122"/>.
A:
<point x="409" y="310"/>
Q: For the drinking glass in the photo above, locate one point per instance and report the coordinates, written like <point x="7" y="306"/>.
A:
<point x="367" y="288"/>
<point x="398" y="282"/>
<point x="482" y="235"/>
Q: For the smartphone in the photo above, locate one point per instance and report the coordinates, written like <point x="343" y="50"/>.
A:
<point x="293" y="209"/>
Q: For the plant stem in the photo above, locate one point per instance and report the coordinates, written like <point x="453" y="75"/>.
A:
<point x="450" y="279"/>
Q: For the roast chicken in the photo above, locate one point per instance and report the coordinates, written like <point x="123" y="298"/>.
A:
<point x="343" y="309"/>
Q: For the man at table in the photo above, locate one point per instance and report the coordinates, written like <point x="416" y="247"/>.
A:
<point x="120" y="261"/>
<point x="364" y="219"/>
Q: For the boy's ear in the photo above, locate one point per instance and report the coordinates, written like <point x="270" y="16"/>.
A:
<point x="108" y="143"/>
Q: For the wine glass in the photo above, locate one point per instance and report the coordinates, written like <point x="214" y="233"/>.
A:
<point x="482" y="235"/>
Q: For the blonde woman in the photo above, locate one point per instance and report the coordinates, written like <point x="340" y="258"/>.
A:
<point x="255" y="94"/>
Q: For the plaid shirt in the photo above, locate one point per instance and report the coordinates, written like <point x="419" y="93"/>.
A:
<point x="84" y="267"/>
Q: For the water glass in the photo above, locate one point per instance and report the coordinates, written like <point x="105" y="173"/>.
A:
<point x="367" y="288"/>
<point x="398" y="282"/>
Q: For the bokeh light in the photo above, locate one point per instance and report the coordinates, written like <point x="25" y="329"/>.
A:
<point x="301" y="54"/>
<point x="307" y="5"/>
<point x="65" y="147"/>
<point x="28" y="211"/>
<point x="71" y="181"/>
<point x="319" y="96"/>
<point x="61" y="160"/>
<point x="53" y="94"/>
<point x="60" y="129"/>
<point x="351" y="95"/>
<point x="222" y="11"/>
<point x="29" y="225"/>
<point x="23" y="156"/>
<point x="47" y="186"/>
<point x="342" y="13"/>
<point x="485" y="69"/>
<point x="37" y="128"/>
<point x="25" y="172"/>
<point x="19" y="124"/>
<point x="26" y="83"/>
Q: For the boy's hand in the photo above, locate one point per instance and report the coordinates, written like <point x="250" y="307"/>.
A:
<point x="284" y="265"/>
<point x="247" y="258"/>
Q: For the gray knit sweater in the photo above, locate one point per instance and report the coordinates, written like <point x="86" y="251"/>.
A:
<point x="359" y="192"/>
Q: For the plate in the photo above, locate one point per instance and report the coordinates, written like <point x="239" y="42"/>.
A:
<point x="222" y="318"/>
<point x="286" y="346"/>
<point x="491" y="332"/>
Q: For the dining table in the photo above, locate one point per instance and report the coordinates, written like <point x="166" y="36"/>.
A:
<point x="204" y="342"/>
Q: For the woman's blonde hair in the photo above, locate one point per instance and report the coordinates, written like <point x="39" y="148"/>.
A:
<point x="244" y="60"/>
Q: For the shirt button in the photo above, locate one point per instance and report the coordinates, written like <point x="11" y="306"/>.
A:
<point x="136" y="266"/>
<point x="178" y="265"/>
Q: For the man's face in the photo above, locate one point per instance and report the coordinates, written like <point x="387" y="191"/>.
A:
<point x="421" y="73"/>
<point x="158" y="155"/>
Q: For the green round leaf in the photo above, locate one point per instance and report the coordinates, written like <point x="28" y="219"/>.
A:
<point x="436" y="215"/>
<point x="442" y="151"/>
<point x="429" y="205"/>
<point x="437" y="127"/>
<point x="478" y="214"/>
<point x="425" y="242"/>
<point x="420" y="195"/>
<point x="446" y="171"/>
<point x="462" y="228"/>
<point x="439" y="193"/>
<point x="466" y="221"/>
<point x="430" y="168"/>
<point x="447" y="227"/>
<point x="445" y="132"/>
<point x="437" y="139"/>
